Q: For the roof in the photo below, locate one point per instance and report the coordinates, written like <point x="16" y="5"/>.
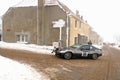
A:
<point x="29" y="3"/>
<point x="69" y="11"/>
<point x="51" y="2"/>
<point x="61" y="5"/>
<point x="24" y="3"/>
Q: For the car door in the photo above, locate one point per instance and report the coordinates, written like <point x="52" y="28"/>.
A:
<point x="85" y="50"/>
<point x="77" y="51"/>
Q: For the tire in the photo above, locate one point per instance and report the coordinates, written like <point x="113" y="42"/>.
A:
<point x="94" y="56"/>
<point x="67" y="56"/>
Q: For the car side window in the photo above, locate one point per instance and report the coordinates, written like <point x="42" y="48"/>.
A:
<point x="85" y="47"/>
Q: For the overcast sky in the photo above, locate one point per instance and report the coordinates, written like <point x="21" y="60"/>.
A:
<point x="102" y="15"/>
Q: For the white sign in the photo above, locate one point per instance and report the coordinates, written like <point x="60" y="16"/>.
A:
<point x="59" y="23"/>
<point x="56" y="44"/>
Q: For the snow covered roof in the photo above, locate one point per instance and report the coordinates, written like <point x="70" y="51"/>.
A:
<point x="25" y="3"/>
<point x="60" y="4"/>
<point x="28" y="3"/>
<point x="51" y="2"/>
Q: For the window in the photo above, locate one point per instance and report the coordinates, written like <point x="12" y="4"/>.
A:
<point x="76" y="40"/>
<point x="80" y="25"/>
<point x="76" y="24"/>
<point x="85" y="47"/>
<point x="22" y="38"/>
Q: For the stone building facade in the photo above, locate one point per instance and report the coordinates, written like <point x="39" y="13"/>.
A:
<point x="35" y="24"/>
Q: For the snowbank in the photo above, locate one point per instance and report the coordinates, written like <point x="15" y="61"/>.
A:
<point x="12" y="70"/>
<point x="116" y="46"/>
<point x="29" y="47"/>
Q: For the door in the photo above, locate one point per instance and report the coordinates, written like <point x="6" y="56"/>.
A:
<point x="85" y="50"/>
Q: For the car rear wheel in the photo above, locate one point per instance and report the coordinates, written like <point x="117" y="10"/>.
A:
<point x="67" y="56"/>
<point x="94" y="56"/>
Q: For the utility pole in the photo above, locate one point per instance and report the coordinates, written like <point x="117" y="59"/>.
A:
<point x="40" y="23"/>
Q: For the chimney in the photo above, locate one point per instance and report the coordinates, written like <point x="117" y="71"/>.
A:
<point x="51" y="1"/>
<point x="77" y="13"/>
<point x="81" y="17"/>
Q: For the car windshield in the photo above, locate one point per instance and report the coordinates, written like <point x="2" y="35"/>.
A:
<point x="75" y="46"/>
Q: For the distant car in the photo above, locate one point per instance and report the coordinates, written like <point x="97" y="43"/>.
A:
<point x="84" y="50"/>
<point x="119" y="46"/>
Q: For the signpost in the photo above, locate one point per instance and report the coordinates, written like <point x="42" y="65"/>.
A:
<point x="59" y="24"/>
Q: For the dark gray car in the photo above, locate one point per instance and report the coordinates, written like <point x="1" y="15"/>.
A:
<point x="85" y="50"/>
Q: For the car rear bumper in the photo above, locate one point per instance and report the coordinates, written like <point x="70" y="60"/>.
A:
<point x="99" y="55"/>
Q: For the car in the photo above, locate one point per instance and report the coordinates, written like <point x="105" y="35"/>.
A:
<point x="84" y="50"/>
<point x="119" y="46"/>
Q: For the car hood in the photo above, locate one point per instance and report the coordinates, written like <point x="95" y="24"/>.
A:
<point x="67" y="49"/>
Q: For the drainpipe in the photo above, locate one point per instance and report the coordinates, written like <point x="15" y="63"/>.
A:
<point x="67" y="30"/>
<point x="37" y="29"/>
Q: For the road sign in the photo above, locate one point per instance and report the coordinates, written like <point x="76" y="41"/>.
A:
<point x="59" y="23"/>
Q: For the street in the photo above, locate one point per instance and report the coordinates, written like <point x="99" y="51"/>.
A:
<point x="106" y="67"/>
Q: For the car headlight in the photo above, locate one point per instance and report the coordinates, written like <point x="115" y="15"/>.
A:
<point x="62" y="51"/>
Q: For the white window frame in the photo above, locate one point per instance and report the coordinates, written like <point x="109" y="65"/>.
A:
<point x="22" y="38"/>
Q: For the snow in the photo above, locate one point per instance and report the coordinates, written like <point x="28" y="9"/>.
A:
<point x="13" y="70"/>
<point x="116" y="46"/>
<point x="27" y="3"/>
<point x="28" y="47"/>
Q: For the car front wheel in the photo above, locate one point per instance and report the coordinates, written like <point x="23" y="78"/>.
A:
<point x="94" y="56"/>
<point x="67" y="56"/>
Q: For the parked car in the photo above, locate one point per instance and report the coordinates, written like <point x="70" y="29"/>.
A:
<point x="85" y="50"/>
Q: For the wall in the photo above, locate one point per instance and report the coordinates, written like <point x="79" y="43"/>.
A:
<point x="54" y="13"/>
<point x="79" y="31"/>
<point x="20" y="20"/>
